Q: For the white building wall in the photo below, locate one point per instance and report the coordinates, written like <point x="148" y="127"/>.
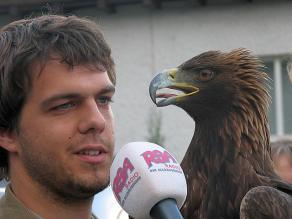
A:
<point x="145" y="41"/>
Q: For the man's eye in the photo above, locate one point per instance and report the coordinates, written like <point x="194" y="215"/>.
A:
<point x="64" y="106"/>
<point x="104" y="100"/>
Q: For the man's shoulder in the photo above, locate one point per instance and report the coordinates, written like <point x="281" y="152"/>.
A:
<point x="11" y="209"/>
<point x="7" y="211"/>
<point x="3" y="206"/>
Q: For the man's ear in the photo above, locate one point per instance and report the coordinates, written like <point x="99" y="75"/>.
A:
<point x="7" y="140"/>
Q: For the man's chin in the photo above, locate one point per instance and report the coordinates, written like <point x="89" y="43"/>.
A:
<point x="92" y="190"/>
<point x="81" y="191"/>
<point x="100" y="188"/>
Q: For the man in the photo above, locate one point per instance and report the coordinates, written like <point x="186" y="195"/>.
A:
<point x="282" y="157"/>
<point x="57" y="81"/>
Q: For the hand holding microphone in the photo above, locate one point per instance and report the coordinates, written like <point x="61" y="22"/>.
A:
<point x="148" y="182"/>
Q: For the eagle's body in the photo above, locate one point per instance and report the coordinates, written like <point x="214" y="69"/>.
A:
<point x="229" y="155"/>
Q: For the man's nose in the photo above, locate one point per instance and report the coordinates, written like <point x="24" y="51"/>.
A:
<point x="92" y="119"/>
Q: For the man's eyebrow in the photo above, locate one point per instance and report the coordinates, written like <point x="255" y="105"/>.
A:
<point x="63" y="96"/>
<point x="108" y="89"/>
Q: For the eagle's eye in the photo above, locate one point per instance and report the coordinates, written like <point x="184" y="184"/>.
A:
<point x="206" y="75"/>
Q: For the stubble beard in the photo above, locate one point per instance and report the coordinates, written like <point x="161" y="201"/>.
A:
<point x="56" y="181"/>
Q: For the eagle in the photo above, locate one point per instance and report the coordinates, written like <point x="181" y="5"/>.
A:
<point x="228" y="166"/>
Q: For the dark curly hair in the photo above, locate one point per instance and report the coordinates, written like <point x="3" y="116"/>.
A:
<point x="75" y="40"/>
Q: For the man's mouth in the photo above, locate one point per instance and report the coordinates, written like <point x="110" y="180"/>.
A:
<point x="92" y="155"/>
<point x="90" y="152"/>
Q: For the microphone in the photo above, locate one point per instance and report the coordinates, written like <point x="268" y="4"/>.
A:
<point x="148" y="182"/>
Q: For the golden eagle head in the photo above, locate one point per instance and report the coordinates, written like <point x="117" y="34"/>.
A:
<point x="213" y="84"/>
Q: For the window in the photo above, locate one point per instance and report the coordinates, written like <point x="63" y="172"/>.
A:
<point x="287" y="99"/>
<point x="280" y="111"/>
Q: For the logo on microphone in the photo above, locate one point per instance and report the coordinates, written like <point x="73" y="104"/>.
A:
<point x="124" y="181"/>
<point x="161" y="161"/>
<point x="157" y="157"/>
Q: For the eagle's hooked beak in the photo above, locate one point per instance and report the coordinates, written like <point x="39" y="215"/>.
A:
<point x="167" y="79"/>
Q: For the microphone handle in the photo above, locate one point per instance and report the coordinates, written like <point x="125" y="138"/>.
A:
<point x="166" y="209"/>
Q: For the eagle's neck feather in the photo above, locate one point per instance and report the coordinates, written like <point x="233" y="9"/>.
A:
<point x="232" y="153"/>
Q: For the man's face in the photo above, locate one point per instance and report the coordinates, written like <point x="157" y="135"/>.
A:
<point x="65" y="135"/>
<point x="284" y="167"/>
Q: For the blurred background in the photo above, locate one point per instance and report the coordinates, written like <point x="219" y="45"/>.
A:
<point x="148" y="36"/>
